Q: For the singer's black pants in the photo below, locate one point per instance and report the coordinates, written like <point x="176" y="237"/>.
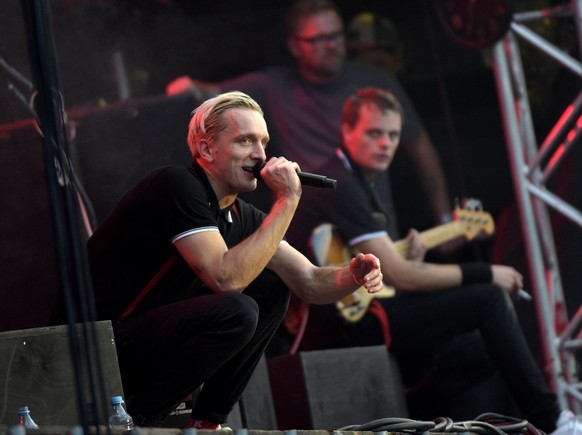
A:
<point x="216" y="340"/>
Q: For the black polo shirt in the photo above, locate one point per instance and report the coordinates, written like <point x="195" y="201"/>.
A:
<point x="136" y="239"/>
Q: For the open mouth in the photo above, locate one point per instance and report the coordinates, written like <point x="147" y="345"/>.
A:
<point x="248" y="169"/>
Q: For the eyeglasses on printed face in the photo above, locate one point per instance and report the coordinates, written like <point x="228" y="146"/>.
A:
<point x="323" y="38"/>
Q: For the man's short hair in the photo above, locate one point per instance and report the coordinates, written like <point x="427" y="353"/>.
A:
<point x="301" y="9"/>
<point x="381" y="98"/>
<point x="207" y="119"/>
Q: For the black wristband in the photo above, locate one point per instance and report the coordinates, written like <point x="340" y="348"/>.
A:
<point x="475" y="273"/>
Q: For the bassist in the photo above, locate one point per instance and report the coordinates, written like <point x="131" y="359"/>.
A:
<point x="434" y="303"/>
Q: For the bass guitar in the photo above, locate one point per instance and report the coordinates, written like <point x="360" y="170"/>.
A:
<point x="329" y="249"/>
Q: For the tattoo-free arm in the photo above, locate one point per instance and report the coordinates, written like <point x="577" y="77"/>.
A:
<point x="322" y="285"/>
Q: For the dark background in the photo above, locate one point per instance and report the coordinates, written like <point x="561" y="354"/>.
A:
<point x="115" y="142"/>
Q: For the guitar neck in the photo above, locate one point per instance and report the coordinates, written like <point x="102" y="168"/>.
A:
<point x="433" y="237"/>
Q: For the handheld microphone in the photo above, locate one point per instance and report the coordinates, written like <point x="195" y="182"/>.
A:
<point x="306" y="178"/>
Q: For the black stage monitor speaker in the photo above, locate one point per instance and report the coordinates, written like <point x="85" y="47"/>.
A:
<point x="36" y="370"/>
<point x="329" y="389"/>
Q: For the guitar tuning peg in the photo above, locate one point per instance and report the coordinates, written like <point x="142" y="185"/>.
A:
<point x="473" y="204"/>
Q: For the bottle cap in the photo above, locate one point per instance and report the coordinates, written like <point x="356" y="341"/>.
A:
<point x="116" y="400"/>
<point x="23" y="409"/>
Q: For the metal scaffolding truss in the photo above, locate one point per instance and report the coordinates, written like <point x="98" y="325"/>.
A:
<point x="532" y="165"/>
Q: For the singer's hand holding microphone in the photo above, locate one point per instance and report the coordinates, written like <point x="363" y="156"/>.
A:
<point x="306" y="178"/>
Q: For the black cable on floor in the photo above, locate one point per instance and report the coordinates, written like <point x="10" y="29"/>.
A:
<point x="486" y="424"/>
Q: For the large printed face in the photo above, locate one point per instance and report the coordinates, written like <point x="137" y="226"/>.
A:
<point x="319" y="46"/>
<point x="237" y="148"/>
<point x="373" y="141"/>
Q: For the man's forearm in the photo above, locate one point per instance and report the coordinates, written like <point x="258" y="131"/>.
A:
<point x="331" y="283"/>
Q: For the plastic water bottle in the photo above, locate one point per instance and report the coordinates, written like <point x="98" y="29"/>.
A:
<point x="119" y="418"/>
<point x="25" y="419"/>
